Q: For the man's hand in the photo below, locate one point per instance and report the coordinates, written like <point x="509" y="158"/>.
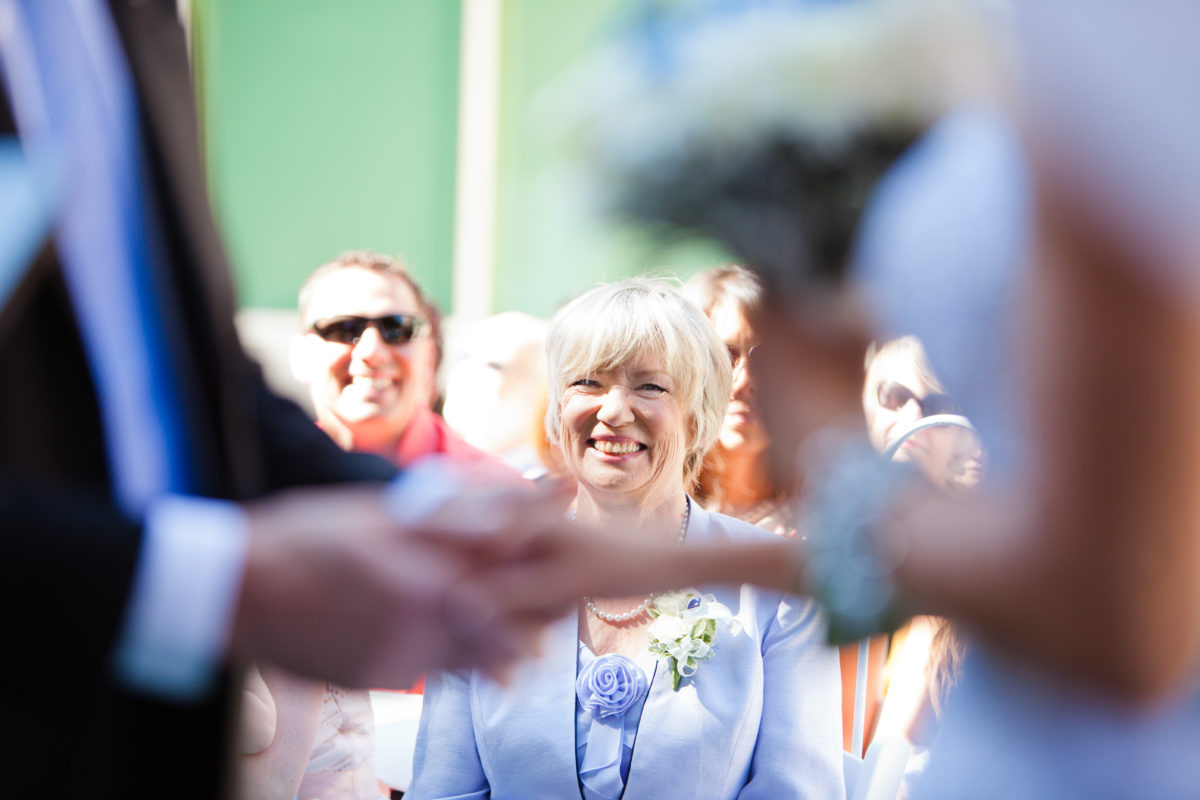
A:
<point x="336" y="589"/>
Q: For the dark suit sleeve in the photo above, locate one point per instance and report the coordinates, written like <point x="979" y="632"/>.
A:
<point x="72" y="553"/>
<point x="68" y="550"/>
<point x="70" y="557"/>
<point x="296" y="452"/>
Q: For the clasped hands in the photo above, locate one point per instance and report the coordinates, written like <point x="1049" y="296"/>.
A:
<point x="366" y="585"/>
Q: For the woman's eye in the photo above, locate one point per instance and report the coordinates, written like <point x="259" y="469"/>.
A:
<point x="588" y="382"/>
<point x="651" y="387"/>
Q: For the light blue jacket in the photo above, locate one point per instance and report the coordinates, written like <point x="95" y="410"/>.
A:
<point x="760" y="719"/>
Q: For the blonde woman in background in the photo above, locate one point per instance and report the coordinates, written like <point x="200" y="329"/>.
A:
<point x="925" y="659"/>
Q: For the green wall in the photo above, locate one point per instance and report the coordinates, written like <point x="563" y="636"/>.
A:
<point x="329" y="126"/>
<point x="549" y="243"/>
<point x="332" y="125"/>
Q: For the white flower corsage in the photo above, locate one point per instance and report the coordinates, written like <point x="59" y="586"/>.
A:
<point x="684" y="629"/>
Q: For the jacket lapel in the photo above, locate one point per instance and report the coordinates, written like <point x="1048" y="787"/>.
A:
<point x="155" y="47"/>
<point x="39" y="343"/>
<point x="685" y="737"/>
<point x="528" y="727"/>
<point x="663" y="726"/>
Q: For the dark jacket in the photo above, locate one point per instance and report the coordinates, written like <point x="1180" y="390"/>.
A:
<point x="66" y="726"/>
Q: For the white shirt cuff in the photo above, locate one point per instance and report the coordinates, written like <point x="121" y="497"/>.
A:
<point x="185" y="585"/>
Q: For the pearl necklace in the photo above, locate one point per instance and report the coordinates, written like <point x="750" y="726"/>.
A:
<point x="642" y="607"/>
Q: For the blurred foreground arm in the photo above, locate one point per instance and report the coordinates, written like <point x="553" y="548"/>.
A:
<point x="1096" y="570"/>
<point x="335" y="588"/>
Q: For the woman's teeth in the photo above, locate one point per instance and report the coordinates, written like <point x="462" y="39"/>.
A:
<point x="616" y="448"/>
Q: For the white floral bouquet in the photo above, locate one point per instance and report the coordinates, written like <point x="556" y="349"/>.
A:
<point x="763" y="124"/>
<point x="684" y="629"/>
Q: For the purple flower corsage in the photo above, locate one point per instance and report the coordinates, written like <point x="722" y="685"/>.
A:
<point x="610" y="685"/>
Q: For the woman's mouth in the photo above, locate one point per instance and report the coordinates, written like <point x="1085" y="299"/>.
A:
<point x="612" y="448"/>
<point x="740" y="413"/>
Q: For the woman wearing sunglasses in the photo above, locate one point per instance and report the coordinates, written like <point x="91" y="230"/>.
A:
<point x="901" y="389"/>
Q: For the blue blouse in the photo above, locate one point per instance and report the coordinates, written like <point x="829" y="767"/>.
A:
<point x="761" y="720"/>
<point x="604" y="744"/>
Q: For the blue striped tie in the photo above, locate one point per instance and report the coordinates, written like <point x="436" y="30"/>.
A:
<point x="87" y="119"/>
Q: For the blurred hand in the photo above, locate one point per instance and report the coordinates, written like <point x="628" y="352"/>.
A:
<point x="542" y="572"/>
<point x="336" y="589"/>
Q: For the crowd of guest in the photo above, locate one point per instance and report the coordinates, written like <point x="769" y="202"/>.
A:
<point x="745" y="479"/>
<point x="642" y="391"/>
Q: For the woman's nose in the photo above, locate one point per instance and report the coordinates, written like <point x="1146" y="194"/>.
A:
<point x="743" y="387"/>
<point x="615" y="407"/>
<point x="911" y="411"/>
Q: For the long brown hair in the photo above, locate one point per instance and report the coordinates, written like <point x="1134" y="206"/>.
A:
<point x="947" y="652"/>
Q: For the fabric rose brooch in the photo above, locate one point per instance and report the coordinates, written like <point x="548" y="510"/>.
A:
<point x="684" y="629"/>
<point x="610" y="685"/>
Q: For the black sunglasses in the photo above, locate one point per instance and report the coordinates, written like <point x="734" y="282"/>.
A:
<point x="393" y="328"/>
<point x="894" y="396"/>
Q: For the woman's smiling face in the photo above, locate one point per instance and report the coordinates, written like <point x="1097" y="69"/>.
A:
<point x="624" y="432"/>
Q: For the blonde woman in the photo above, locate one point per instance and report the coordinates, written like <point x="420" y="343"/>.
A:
<point x="639" y="383"/>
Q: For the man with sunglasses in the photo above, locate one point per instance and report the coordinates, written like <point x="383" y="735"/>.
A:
<point x="368" y="350"/>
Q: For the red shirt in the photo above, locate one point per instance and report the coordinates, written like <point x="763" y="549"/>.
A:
<point x="428" y="433"/>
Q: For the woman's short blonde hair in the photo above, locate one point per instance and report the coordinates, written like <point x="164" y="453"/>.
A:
<point x="615" y="324"/>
